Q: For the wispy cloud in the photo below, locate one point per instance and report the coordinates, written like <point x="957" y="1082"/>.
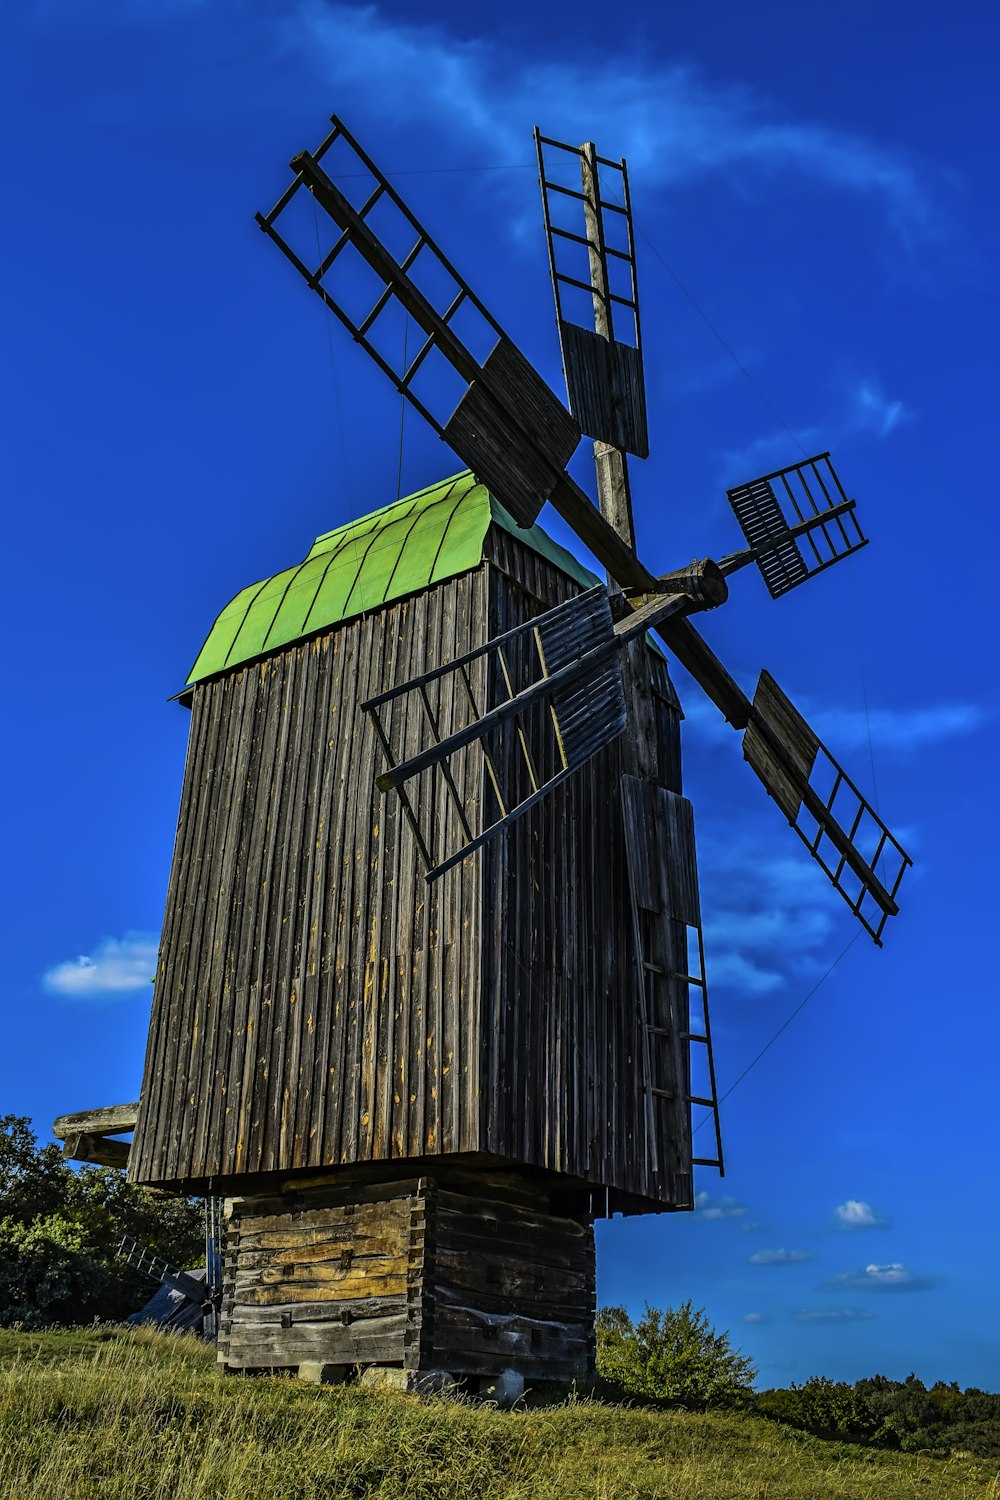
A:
<point x="780" y="1257"/>
<point x="754" y="1318"/>
<point x="767" y="917"/>
<point x="856" y="1214"/>
<point x="834" y="1315"/>
<point x="858" y="406"/>
<point x="899" y="730"/>
<point x="875" y="412"/>
<point x="671" y="121"/>
<point x="722" y="1208"/>
<point x="116" y="966"/>
<point x="888" y="1278"/>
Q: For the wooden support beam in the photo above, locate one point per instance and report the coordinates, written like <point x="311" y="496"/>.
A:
<point x="111" y="1120"/>
<point x="98" y="1149"/>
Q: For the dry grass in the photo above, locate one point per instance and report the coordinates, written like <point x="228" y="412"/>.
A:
<point x="107" y="1415"/>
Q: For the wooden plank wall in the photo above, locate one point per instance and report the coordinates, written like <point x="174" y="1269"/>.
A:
<point x="512" y="1283"/>
<point x="563" y="1053"/>
<point x="316" y="1003"/>
<point x="470" y="1273"/>
<point x="325" y="1280"/>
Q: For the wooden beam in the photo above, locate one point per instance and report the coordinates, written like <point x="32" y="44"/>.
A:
<point x="110" y="1120"/>
<point x="98" y="1149"/>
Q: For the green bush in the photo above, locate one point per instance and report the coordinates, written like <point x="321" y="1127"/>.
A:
<point x="828" y="1408"/>
<point x="672" y="1355"/>
<point x="892" y="1414"/>
<point x="60" y="1228"/>
<point x="48" y="1273"/>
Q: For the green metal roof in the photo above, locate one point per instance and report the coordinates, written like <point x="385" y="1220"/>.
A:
<point x="432" y="535"/>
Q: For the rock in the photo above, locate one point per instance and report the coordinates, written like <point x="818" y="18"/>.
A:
<point x="504" y="1389"/>
<point x="315" y="1372"/>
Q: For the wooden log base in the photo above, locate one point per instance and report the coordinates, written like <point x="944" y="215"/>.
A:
<point x="477" y="1275"/>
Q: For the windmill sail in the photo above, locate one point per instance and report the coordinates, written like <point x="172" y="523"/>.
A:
<point x="604" y="379"/>
<point x="508" y="427"/>
<point x="670" y="962"/>
<point x="795" y="528"/>
<point x="537" y="703"/>
<point x="842" y="831"/>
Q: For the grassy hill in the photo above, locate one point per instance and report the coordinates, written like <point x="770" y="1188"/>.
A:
<point x="109" y="1415"/>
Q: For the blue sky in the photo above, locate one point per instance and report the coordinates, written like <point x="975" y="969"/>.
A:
<point x="179" y="421"/>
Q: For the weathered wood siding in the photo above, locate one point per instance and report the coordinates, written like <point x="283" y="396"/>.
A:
<point x="315" y="1003"/>
<point x="563" y="1059"/>
<point x="471" y="1273"/>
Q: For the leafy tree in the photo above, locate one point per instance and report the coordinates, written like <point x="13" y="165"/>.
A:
<point x="60" y="1228"/>
<point x="48" y="1273"/>
<point x="672" y="1355"/>
<point x="33" y="1179"/>
<point x="830" y="1409"/>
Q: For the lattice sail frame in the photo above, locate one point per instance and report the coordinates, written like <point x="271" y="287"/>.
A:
<point x="508" y="427"/>
<point x="604" y="373"/>
<point x="669" y="955"/>
<point x="842" y="831"/>
<point x="564" y="702"/>
<point x="775" y="523"/>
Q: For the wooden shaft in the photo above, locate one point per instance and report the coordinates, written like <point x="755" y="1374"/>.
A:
<point x="593" y="529"/>
<point x="382" y="263"/>
<point x="628" y="571"/>
<point x="611" y="464"/>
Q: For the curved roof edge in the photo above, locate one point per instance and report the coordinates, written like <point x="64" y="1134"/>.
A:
<point x="405" y="547"/>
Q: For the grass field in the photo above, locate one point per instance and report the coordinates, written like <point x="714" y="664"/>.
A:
<point x="107" y="1415"/>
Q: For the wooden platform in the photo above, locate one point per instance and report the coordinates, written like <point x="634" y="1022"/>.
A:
<point x="471" y="1274"/>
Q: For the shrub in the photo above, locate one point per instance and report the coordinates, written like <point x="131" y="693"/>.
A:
<point x="673" y="1356"/>
<point x="828" y="1408"/>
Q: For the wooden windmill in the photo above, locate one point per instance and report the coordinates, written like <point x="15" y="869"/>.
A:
<point x="431" y="993"/>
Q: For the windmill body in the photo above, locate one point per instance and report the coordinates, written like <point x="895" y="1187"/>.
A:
<point x="326" y="1025"/>
<point x="431" y="994"/>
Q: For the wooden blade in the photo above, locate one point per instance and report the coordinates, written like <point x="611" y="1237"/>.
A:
<point x="508" y="427"/>
<point x="574" y="697"/>
<point x="670" y="957"/>
<point x="604" y="379"/>
<point x="798" y="522"/>
<point x="841" y="830"/>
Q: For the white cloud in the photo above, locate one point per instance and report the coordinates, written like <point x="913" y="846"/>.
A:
<point x="856" y="1214"/>
<point x="668" y="119"/>
<point x="893" y="1277"/>
<point x="117" y="966"/>
<point x="780" y="1257"/>
<point x="723" y="1208"/>
<point x="754" y="1318"/>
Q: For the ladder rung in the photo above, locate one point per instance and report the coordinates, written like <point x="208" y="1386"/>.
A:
<point x="706" y="1161"/>
<point x="692" y="1036"/>
<point x="660" y="1030"/>
<point x="697" y="1099"/>
<point x="652" y="968"/>
<point x="663" y="1093"/>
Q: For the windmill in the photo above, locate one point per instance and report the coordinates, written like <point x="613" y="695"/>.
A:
<point x="431" y="994"/>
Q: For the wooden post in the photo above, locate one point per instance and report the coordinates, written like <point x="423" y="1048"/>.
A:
<point x="612" y="470"/>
